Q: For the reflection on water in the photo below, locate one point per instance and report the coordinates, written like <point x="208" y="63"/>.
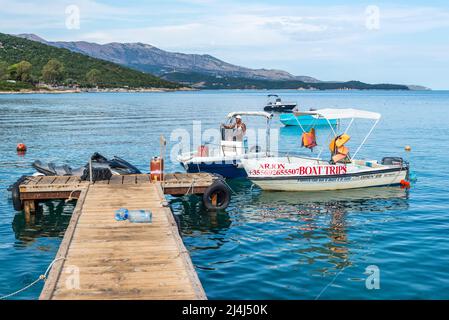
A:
<point x="51" y="220"/>
<point x="310" y="231"/>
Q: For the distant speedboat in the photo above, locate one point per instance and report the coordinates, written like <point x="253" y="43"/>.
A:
<point x="298" y="118"/>
<point x="275" y="103"/>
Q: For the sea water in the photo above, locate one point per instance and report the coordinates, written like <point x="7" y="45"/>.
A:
<point x="279" y="245"/>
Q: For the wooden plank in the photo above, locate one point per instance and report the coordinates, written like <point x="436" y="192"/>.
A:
<point x="72" y="180"/>
<point x="49" y="195"/>
<point x="33" y="180"/>
<point x="119" y="259"/>
<point x="129" y="179"/>
<point x="60" y="180"/>
<point x="199" y="291"/>
<point x="184" y="190"/>
<point x="143" y="178"/>
<point x="116" y="180"/>
<point x="102" y="182"/>
<point x="53" y="277"/>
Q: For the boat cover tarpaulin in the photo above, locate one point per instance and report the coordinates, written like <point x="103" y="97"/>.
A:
<point x="343" y="114"/>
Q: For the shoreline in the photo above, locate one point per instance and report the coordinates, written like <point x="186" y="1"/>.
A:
<point x="121" y="90"/>
<point x="146" y="90"/>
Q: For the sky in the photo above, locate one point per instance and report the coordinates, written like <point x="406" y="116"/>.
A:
<point x="404" y="42"/>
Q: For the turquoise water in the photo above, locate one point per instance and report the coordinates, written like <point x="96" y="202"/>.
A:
<point x="266" y="244"/>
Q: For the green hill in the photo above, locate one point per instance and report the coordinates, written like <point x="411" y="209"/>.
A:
<point x="75" y="66"/>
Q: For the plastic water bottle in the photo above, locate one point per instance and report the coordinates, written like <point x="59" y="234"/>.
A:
<point x="140" y="216"/>
<point x="121" y="214"/>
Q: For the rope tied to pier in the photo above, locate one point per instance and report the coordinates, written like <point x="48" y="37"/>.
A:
<point x="42" y="277"/>
<point x="190" y="189"/>
<point x="70" y="195"/>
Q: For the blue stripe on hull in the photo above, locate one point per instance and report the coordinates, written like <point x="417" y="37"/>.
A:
<point x="227" y="170"/>
<point x="304" y="120"/>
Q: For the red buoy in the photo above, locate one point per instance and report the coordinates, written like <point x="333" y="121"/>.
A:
<point x="21" y="147"/>
<point x="405" y="184"/>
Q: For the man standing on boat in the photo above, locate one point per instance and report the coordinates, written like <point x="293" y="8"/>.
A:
<point x="239" y="128"/>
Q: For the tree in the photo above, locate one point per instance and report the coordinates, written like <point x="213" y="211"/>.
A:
<point x="3" y="70"/>
<point x="20" y="71"/>
<point x="53" y="71"/>
<point x="93" y="76"/>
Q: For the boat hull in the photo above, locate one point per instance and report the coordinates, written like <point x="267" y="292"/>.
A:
<point x="288" y="174"/>
<point x="305" y="120"/>
<point x="225" y="169"/>
<point x="280" y="108"/>
<point x="333" y="183"/>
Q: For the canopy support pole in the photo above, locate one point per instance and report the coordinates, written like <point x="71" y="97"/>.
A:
<point x="297" y="120"/>
<point x="349" y="125"/>
<point x="330" y="125"/>
<point x="364" y="140"/>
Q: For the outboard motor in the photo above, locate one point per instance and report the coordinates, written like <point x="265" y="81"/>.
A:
<point x="390" y="161"/>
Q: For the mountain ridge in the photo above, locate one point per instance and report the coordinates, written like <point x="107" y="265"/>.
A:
<point x="150" y="59"/>
<point x="202" y="71"/>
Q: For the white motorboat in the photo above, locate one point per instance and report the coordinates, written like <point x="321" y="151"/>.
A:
<point x="343" y="171"/>
<point x="276" y="104"/>
<point x="225" y="159"/>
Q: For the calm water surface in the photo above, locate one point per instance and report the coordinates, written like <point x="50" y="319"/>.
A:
<point x="266" y="244"/>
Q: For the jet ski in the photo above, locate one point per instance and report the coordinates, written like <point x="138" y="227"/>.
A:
<point x="116" y="165"/>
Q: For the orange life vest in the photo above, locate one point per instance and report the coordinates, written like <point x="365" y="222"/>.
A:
<point x="338" y="142"/>
<point x="308" y="139"/>
<point x="339" y="151"/>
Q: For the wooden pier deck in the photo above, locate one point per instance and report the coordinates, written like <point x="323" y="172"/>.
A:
<point x="101" y="258"/>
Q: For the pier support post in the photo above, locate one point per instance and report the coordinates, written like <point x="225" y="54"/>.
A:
<point x="29" y="207"/>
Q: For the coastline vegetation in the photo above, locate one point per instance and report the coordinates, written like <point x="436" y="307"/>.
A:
<point x="26" y="64"/>
<point x="201" y="81"/>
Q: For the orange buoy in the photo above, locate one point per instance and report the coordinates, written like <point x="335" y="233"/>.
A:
<point x="21" y="147"/>
<point x="156" y="169"/>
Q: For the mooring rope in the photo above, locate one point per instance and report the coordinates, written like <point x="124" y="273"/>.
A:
<point x="191" y="187"/>
<point x="224" y="181"/>
<point x="42" y="277"/>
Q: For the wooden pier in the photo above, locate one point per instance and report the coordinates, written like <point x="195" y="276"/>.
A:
<point x="101" y="258"/>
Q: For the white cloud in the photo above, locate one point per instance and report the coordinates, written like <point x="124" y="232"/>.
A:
<point x="255" y="35"/>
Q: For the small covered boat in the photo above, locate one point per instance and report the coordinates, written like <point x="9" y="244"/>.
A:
<point x="341" y="171"/>
<point x="225" y="158"/>
<point x="298" y="118"/>
<point x="276" y="104"/>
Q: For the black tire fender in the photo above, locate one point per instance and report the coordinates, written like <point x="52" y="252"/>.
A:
<point x="221" y="191"/>
<point x="15" y="195"/>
